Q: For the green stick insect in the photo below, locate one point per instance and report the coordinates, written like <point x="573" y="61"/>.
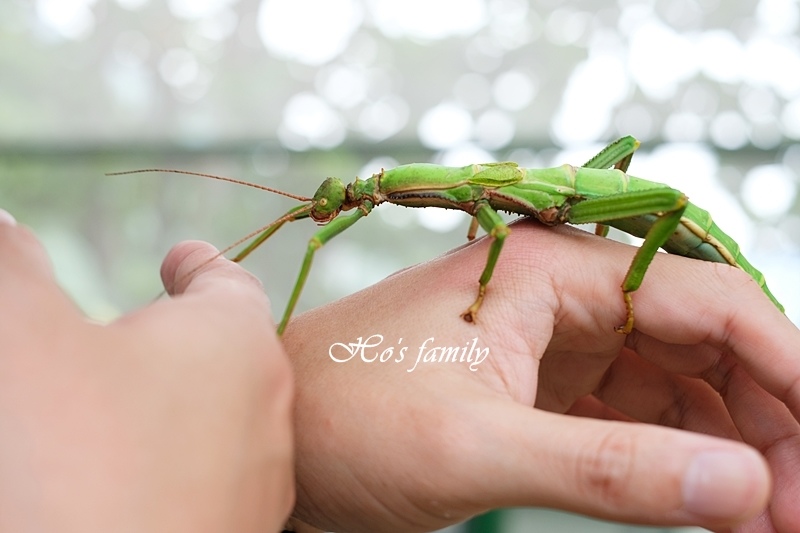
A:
<point x="593" y="193"/>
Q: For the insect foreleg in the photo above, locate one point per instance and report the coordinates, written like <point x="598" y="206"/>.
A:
<point x="331" y="230"/>
<point x="669" y="202"/>
<point x="295" y="213"/>
<point x="493" y="224"/>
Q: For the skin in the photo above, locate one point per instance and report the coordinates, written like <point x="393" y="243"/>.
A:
<point x="690" y="419"/>
<point x="153" y="423"/>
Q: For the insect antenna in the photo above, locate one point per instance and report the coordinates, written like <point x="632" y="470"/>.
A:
<point x="221" y="178"/>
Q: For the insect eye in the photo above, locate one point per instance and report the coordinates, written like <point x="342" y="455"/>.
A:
<point x="323" y="202"/>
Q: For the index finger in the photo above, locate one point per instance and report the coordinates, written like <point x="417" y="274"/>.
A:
<point x="725" y="309"/>
<point x="27" y="279"/>
<point x="21" y="253"/>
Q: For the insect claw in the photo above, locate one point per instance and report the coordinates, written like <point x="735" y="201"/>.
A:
<point x="471" y="314"/>
<point x="628" y="326"/>
<point x="473" y="229"/>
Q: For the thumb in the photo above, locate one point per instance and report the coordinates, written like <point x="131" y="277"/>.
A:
<point x="195" y="265"/>
<point x="195" y="268"/>
<point x="628" y="472"/>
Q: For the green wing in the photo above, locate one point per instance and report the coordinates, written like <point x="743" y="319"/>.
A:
<point x="496" y="175"/>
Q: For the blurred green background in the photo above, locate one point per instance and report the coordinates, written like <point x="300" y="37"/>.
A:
<point x="288" y="92"/>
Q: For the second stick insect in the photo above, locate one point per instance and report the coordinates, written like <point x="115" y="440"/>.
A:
<point x="592" y="193"/>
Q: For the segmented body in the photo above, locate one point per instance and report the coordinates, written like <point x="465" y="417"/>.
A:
<point x="546" y="194"/>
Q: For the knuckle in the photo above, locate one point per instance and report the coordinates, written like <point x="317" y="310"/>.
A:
<point x="733" y="281"/>
<point x="720" y="374"/>
<point x="605" y="470"/>
<point x="676" y="412"/>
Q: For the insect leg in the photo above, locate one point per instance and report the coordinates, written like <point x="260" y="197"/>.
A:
<point x="473" y="229"/>
<point x="669" y="203"/>
<point x="331" y="230"/>
<point x="493" y="224"/>
<point x="296" y="213"/>
<point x="617" y="154"/>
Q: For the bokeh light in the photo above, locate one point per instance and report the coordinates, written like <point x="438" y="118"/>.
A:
<point x="69" y="19"/>
<point x="290" y="33"/>
<point x="709" y="87"/>
<point x="769" y="191"/>
<point x="427" y="20"/>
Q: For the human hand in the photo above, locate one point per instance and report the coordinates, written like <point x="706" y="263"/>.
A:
<point x="708" y="373"/>
<point x="173" y="418"/>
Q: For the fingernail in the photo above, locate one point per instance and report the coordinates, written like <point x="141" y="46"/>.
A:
<point x="721" y="484"/>
<point x="7" y="218"/>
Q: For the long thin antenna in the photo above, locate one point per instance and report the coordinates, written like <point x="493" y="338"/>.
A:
<point x="221" y="178"/>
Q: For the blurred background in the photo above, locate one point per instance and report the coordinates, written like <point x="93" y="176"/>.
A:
<point x="287" y="92"/>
